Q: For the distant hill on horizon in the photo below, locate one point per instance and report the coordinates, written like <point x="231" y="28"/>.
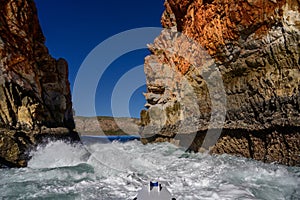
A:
<point x="106" y="125"/>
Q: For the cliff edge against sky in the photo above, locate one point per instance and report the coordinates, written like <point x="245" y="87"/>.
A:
<point x="255" y="46"/>
<point x="34" y="88"/>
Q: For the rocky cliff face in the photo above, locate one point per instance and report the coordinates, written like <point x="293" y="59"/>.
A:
<point x="254" y="46"/>
<point x="34" y="89"/>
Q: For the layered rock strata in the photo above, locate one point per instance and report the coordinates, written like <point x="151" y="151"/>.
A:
<point x="35" y="93"/>
<point x="253" y="46"/>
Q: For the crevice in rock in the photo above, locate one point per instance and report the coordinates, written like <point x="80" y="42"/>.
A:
<point x="250" y="145"/>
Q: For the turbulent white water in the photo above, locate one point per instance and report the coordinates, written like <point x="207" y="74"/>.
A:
<point x="119" y="170"/>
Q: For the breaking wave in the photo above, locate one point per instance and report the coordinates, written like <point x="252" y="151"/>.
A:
<point x="119" y="170"/>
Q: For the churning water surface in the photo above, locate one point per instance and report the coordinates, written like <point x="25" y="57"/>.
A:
<point x="119" y="170"/>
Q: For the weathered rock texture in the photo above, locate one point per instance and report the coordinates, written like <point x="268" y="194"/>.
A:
<point x="34" y="89"/>
<point x="255" y="47"/>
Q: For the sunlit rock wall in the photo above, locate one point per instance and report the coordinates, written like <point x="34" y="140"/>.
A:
<point x="35" y="98"/>
<point x="254" y="45"/>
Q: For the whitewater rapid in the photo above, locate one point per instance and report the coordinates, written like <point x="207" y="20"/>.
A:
<point x="119" y="170"/>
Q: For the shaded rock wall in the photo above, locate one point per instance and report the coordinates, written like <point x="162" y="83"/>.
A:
<point x="255" y="47"/>
<point x="34" y="87"/>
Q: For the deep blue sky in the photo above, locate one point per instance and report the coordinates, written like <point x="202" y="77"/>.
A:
<point x="73" y="28"/>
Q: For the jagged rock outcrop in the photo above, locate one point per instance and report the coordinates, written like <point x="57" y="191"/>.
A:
<point x="254" y="46"/>
<point x="35" y="93"/>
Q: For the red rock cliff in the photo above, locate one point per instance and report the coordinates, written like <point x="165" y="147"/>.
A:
<point x="34" y="87"/>
<point x="255" y="47"/>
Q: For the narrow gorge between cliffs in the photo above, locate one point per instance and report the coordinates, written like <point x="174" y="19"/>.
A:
<point x="221" y="118"/>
